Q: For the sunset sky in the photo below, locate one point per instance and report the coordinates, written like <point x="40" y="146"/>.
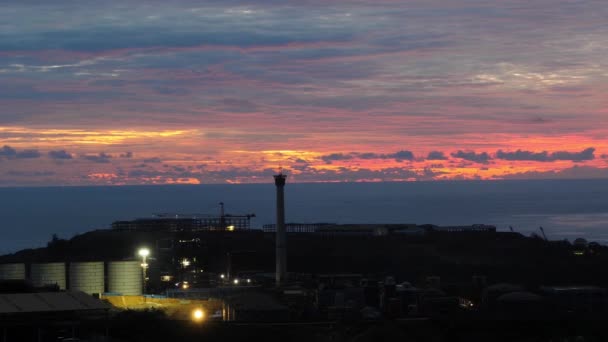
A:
<point x="159" y="92"/>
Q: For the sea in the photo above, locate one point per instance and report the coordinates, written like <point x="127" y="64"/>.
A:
<point x="566" y="209"/>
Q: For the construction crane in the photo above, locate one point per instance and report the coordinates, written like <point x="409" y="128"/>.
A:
<point x="224" y="222"/>
<point x="222" y="216"/>
<point x="543" y="231"/>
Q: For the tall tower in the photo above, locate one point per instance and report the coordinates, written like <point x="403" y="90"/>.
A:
<point x="281" y="248"/>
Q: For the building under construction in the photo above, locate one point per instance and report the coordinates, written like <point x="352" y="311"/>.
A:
<point x="170" y="222"/>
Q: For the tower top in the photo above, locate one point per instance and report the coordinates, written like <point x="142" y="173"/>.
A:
<point x="279" y="179"/>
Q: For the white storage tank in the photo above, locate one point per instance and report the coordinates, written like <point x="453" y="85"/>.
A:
<point x="87" y="277"/>
<point x="48" y="274"/>
<point x="125" y="277"/>
<point x="12" y="271"/>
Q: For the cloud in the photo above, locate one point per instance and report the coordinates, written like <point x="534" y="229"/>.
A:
<point x="436" y="155"/>
<point x="398" y="156"/>
<point x="98" y="158"/>
<point x="335" y="157"/>
<point x="401" y="155"/>
<point x="523" y="155"/>
<point x="481" y="158"/>
<point x="29" y="154"/>
<point x="238" y="105"/>
<point x="152" y="160"/>
<point x="245" y="175"/>
<point x="31" y="173"/>
<point x="586" y="154"/>
<point x="7" y="152"/>
<point x="520" y="155"/>
<point x="575" y="172"/>
<point x="59" y="155"/>
<point x="215" y="26"/>
<point x="368" y="155"/>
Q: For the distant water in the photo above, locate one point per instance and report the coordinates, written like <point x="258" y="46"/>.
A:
<point x="566" y="209"/>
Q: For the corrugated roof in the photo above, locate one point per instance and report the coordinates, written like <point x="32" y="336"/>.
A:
<point x="49" y="302"/>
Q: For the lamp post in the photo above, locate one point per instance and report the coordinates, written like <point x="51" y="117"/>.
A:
<point x="143" y="253"/>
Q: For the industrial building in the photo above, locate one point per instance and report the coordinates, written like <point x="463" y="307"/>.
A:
<point x="181" y="222"/>
<point x="174" y="222"/>
<point x="297" y="227"/>
<point x="377" y="229"/>
<point x="45" y="316"/>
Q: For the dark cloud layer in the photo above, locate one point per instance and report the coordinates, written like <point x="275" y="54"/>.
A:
<point x="587" y="154"/>
<point x="520" y="155"/>
<point x="398" y="156"/>
<point x="575" y="172"/>
<point x="152" y="160"/>
<point x="7" y="152"/>
<point x="336" y="157"/>
<point x="59" y="155"/>
<point x="482" y="158"/>
<point x="305" y="174"/>
<point x="436" y="155"/>
<point x="96" y="39"/>
<point x="97" y="158"/>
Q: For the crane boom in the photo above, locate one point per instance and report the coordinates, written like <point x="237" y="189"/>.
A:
<point x="543" y="231"/>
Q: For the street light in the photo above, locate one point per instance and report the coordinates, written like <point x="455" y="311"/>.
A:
<point x="198" y="315"/>
<point x="143" y="253"/>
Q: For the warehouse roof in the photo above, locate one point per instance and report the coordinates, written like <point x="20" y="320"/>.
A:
<point x="49" y="302"/>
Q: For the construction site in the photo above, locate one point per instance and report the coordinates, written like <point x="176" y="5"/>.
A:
<point x="216" y="270"/>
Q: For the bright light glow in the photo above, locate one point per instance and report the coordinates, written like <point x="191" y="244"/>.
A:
<point x="185" y="286"/>
<point x="230" y="228"/>
<point x="248" y="281"/>
<point x="185" y="262"/>
<point x="236" y="281"/>
<point x="222" y="276"/>
<point x="198" y="315"/>
<point x="143" y="252"/>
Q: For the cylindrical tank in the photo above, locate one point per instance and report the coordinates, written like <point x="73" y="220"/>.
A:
<point x="87" y="277"/>
<point x="52" y="273"/>
<point x="12" y="271"/>
<point x="125" y="277"/>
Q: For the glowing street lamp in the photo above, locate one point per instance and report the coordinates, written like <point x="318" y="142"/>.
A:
<point x="143" y="253"/>
<point x="198" y="315"/>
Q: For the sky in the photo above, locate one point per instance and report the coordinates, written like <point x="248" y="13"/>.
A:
<point x="165" y="92"/>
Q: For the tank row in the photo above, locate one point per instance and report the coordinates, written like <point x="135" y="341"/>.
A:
<point x="96" y="277"/>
